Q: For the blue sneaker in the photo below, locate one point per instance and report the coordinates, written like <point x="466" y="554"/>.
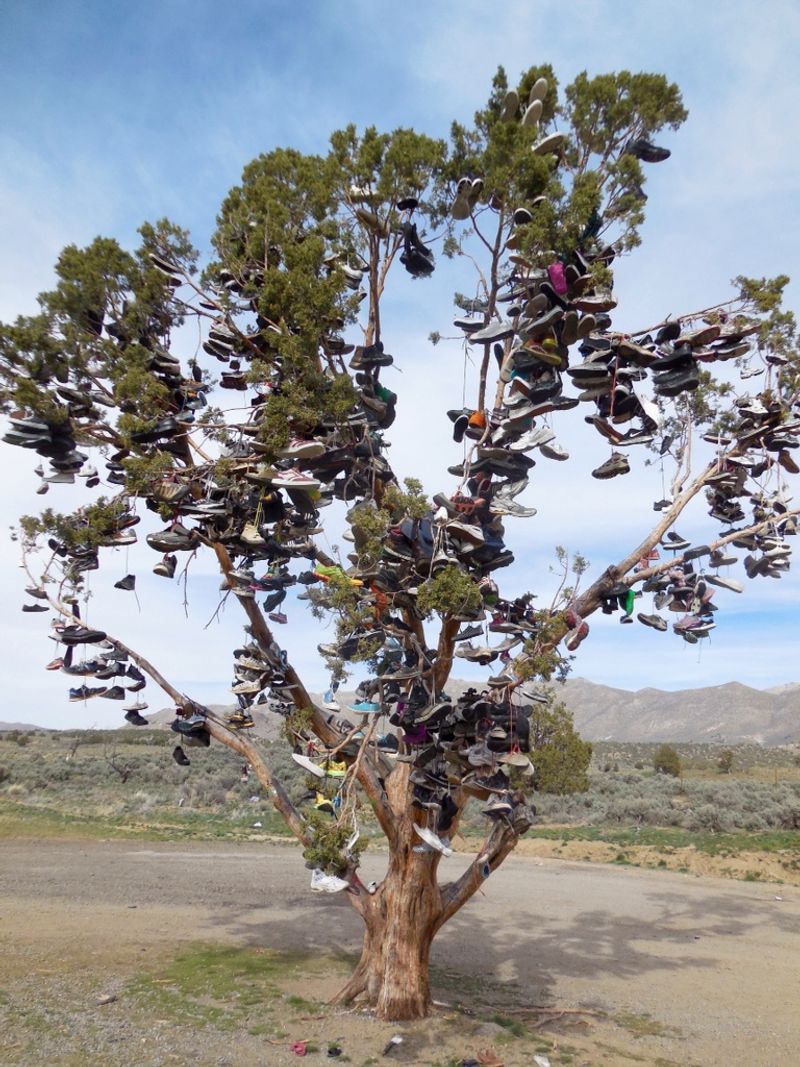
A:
<point x="366" y="707"/>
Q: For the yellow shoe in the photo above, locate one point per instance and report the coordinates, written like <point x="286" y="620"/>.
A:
<point x="322" y="803"/>
<point x="333" y="769"/>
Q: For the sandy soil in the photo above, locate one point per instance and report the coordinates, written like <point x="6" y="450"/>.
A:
<point x="781" y="867"/>
<point x="677" y="969"/>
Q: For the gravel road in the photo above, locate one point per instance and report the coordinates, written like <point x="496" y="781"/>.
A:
<point x="715" y="963"/>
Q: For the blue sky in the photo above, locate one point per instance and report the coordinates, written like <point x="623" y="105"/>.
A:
<point x="115" y="113"/>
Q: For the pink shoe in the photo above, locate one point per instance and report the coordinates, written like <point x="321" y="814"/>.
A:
<point x="558" y="279"/>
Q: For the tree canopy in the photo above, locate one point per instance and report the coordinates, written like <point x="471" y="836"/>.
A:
<point x="282" y="411"/>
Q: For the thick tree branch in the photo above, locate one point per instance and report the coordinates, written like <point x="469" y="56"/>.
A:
<point x="501" y="840"/>
<point x="367" y="772"/>
<point x="217" y="729"/>
<point x="719" y="542"/>
<point x="444" y="655"/>
<point x="490" y="310"/>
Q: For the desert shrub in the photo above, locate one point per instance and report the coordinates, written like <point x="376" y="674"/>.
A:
<point x="725" y="761"/>
<point x="143" y="802"/>
<point x="751" y="821"/>
<point x="790" y="816"/>
<point x="667" y="761"/>
<point x="708" y="817"/>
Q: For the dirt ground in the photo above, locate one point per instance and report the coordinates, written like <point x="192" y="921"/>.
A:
<point x="751" y="866"/>
<point x="218" y="954"/>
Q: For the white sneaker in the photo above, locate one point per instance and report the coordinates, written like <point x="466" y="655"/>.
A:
<point x="295" y="479"/>
<point x="534" y="438"/>
<point x="327" y="883"/>
<point x="724" y="583"/>
<point x="302" y="448"/>
<point x="503" y="506"/>
<point x="554" y="451"/>
<point x="308" y="765"/>
<point x="432" y="840"/>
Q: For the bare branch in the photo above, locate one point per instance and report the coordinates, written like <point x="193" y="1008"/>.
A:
<point x="216" y="728"/>
<point x="368" y="775"/>
<point x="501" y="840"/>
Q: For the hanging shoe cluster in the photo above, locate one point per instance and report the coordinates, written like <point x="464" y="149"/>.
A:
<point x="109" y="664"/>
<point x="472" y="743"/>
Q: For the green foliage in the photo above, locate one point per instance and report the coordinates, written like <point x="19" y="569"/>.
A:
<point x="560" y="758"/>
<point x="329" y="838"/>
<point x="369" y="526"/>
<point x="412" y="503"/>
<point x="143" y="473"/>
<point x="88" y="527"/>
<point x="450" y="592"/>
<point x="600" y="181"/>
<point x="667" y="761"/>
<point x="297" y="724"/>
<point x="541" y="658"/>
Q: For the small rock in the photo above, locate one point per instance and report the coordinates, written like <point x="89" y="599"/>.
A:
<point x="107" y="998"/>
<point x="541" y="1061"/>
<point x="488" y="1030"/>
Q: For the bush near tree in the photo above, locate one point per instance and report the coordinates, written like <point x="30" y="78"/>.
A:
<point x="667" y="761"/>
<point x="726" y="761"/>
<point x="235" y="452"/>
<point x="560" y="758"/>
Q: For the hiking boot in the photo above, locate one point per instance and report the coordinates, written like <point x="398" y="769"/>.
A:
<point x="617" y="464"/>
<point x="647" y="152"/>
<point x="135" y="719"/>
<point x="498" y="807"/>
<point x="674" y="541"/>
<point x="180" y="757"/>
<point x="166" y="567"/>
<point x="173" y="539"/>
<point x="576" y="636"/>
<point x="468" y="633"/>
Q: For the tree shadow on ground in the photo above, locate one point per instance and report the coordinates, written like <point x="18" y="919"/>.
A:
<point x="516" y="949"/>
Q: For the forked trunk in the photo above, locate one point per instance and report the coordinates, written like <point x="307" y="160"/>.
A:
<point x="401" y="920"/>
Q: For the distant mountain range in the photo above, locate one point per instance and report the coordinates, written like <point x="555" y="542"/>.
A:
<point x="730" y="713"/>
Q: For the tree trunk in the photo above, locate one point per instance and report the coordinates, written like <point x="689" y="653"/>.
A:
<point x="401" y="920"/>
